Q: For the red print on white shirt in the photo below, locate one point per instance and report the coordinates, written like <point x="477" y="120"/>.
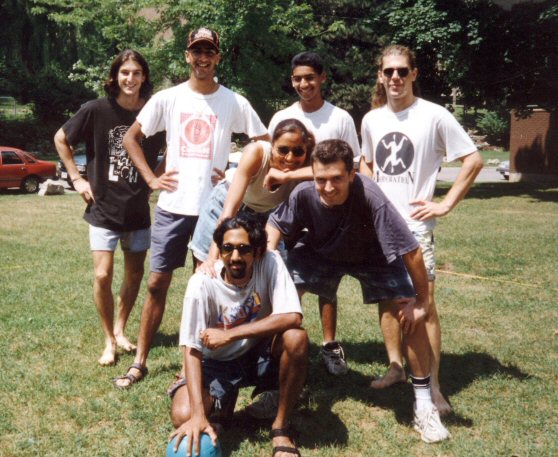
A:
<point x="196" y="135"/>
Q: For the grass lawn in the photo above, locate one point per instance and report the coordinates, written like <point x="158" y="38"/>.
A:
<point x="496" y="292"/>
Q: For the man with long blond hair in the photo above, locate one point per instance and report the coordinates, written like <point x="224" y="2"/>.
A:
<point x="404" y="140"/>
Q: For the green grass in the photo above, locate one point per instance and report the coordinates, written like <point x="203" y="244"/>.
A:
<point x="496" y="292"/>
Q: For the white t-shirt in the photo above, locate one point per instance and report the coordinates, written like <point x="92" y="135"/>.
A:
<point x="327" y="123"/>
<point x="199" y="129"/>
<point x="407" y="149"/>
<point x="213" y="303"/>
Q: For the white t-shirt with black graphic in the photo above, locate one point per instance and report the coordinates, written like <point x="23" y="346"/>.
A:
<point x="407" y="149"/>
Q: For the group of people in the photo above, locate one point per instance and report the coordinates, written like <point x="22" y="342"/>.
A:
<point x="293" y="217"/>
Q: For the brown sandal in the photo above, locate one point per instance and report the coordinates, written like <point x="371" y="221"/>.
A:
<point x="288" y="432"/>
<point x="130" y="377"/>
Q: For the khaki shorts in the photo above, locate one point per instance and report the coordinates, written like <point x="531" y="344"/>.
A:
<point x="426" y="241"/>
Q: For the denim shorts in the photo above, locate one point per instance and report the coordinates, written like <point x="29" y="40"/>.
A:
<point x="169" y="240"/>
<point x="426" y="241"/>
<point x="222" y="379"/>
<point x="210" y="214"/>
<point x="378" y="281"/>
<point x="207" y="222"/>
<point x="102" y="239"/>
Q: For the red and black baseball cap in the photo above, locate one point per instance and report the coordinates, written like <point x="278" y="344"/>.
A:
<point x="203" y="35"/>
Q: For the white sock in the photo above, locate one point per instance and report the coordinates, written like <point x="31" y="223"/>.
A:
<point x="421" y="387"/>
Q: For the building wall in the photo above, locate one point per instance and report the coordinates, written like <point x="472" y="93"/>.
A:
<point x="534" y="143"/>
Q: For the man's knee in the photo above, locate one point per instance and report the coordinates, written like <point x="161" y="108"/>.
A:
<point x="158" y="284"/>
<point x="103" y="278"/>
<point x="180" y="407"/>
<point x="295" y="342"/>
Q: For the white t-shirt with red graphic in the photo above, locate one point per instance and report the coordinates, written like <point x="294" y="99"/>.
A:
<point x="213" y="303"/>
<point x="199" y="129"/>
<point x="407" y="149"/>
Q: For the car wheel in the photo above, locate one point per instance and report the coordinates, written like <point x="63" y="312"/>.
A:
<point x="30" y="184"/>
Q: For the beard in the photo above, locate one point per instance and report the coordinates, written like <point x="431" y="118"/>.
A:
<point x="239" y="270"/>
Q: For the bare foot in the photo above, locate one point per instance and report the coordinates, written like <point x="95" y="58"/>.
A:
<point x="442" y="405"/>
<point x="395" y="374"/>
<point x="109" y="355"/>
<point x="124" y="343"/>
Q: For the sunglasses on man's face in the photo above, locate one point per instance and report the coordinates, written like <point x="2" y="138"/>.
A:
<point x="243" y="249"/>
<point x="402" y="72"/>
<point x="297" y="152"/>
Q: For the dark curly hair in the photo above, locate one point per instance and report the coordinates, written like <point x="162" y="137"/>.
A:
<point x="111" y="84"/>
<point x="330" y="151"/>
<point x="255" y="229"/>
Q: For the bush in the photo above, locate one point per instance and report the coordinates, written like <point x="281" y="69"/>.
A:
<point x="494" y="126"/>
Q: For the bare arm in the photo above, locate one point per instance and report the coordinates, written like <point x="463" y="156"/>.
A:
<point x="277" y="177"/>
<point x="198" y="422"/>
<point x="366" y="168"/>
<point x="273" y="324"/>
<point x="416" y="309"/>
<point x="132" y="143"/>
<point x="248" y="166"/>
<point x="66" y="153"/>
<point x="265" y="137"/>
<point x="273" y="237"/>
<point x="470" y="168"/>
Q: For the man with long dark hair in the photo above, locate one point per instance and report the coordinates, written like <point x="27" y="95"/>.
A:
<point x="115" y="194"/>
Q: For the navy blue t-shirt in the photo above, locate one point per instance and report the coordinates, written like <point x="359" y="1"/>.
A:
<point x="366" y="228"/>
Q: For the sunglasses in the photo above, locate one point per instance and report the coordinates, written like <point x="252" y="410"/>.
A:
<point x="197" y="52"/>
<point x="297" y="152"/>
<point x="402" y="72"/>
<point x="243" y="249"/>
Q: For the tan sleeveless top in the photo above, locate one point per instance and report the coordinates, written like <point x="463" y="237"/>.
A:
<point x="259" y="198"/>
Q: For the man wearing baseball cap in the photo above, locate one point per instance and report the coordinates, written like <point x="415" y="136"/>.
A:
<point x="199" y="117"/>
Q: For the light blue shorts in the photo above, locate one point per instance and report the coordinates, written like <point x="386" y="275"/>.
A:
<point x="207" y="221"/>
<point x="102" y="239"/>
<point x="210" y="214"/>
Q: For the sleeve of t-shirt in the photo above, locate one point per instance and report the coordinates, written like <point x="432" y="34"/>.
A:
<point x="248" y="121"/>
<point x="272" y="124"/>
<point x="284" y="297"/>
<point x="394" y="235"/>
<point x="152" y="116"/>
<point x="286" y="217"/>
<point x="195" y="313"/>
<point x="453" y="138"/>
<point x="367" y="145"/>
<point x="79" y="127"/>
<point x="349" y="134"/>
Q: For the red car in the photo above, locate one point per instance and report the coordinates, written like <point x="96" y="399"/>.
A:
<point x="20" y="169"/>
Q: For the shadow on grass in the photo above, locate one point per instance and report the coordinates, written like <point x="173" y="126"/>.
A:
<point x="319" y="426"/>
<point x="484" y="191"/>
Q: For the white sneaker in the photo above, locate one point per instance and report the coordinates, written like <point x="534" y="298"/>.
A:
<point x="427" y="422"/>
<point x="264" y="405"/>
<point x="334" y="358"/>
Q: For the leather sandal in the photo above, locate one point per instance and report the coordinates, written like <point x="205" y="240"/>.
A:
<point x="133" y="379"/>
<point x="287" y="432"/>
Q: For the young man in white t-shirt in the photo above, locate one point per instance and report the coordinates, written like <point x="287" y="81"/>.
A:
<point x="326" y="122"/>
<point x="199" y="117"/>
<point x="404" y="139"/>
<point x="240" y="328"/>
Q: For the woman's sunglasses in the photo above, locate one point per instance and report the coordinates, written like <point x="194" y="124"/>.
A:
<point x="297" y="152"/>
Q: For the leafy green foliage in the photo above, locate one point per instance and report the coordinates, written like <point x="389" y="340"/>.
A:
<point x="494" y="126"/>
